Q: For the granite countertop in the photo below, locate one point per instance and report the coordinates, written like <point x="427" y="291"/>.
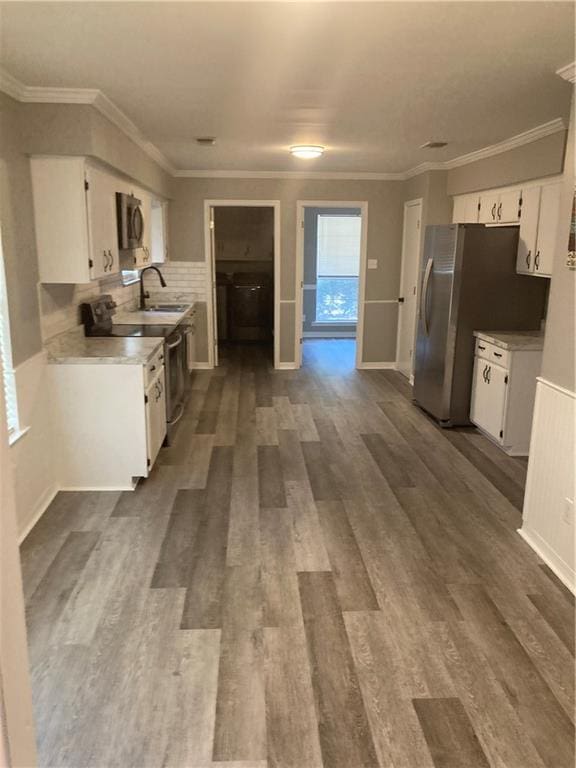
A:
<point x="514" y="341"/>
<point x="75" y="348"/>
<point x="138" y="317"/>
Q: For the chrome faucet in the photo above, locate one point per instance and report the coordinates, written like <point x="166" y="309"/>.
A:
<point x="144" y="294"/>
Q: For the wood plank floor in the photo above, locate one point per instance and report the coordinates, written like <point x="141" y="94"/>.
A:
<point x="314" y="576"/>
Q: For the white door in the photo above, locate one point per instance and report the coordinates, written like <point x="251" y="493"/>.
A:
<point x="408" y="287"/>
<point x="488" y="208"/>
<point x="488" y="397"/>
<point x="102" y="223"/>
<point x="213" y="268"/>
<point x="528" y="230"/>
<point x="471" y="210"/>
<point x="547" y="229"/>
<point x="155" y="416"/>
<point x="508" y="211"/>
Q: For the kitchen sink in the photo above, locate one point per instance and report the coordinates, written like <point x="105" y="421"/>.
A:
<point x="167" y="308"/>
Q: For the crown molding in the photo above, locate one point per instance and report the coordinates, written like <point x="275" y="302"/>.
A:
<point x="29" y="94"/>
<point x="319" y="175"/>
<point x="568" y="72"/>
<point x="11" y="86"/>
<point x="423" y="168"/>
<point x="527" y="137"/>
<point x="96" y="98"/>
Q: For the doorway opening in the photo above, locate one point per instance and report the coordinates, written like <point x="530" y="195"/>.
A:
<point x="243" y="266"/>
<point x="331" y="256"/>
<point x="408" y="301"/>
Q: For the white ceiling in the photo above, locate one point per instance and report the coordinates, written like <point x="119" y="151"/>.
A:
<point x="371" y="81"/>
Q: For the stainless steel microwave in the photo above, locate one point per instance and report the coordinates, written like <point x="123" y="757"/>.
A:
<point x="130" y="221"/>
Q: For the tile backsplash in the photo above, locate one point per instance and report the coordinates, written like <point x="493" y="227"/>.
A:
<point x="60" y="304"/>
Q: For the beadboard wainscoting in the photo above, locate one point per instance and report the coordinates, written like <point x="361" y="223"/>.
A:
<point x="35" y="470"/>
<point x="548" y="516"/>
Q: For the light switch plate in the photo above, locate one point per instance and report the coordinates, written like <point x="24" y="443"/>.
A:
<point x="372" y="263"/>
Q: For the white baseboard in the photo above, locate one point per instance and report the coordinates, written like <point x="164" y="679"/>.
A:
<point x="98" y="488"/>
<point x="201" y="367"/>
<point x="286" y="367"/>
<point x="329" y="334"/>
<point x="41" y="507"/>
<point x="377" y="366"/>
<point x="566" y="575"/>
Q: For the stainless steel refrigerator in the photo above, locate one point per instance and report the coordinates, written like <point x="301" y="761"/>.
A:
<point x="468" y="282"/>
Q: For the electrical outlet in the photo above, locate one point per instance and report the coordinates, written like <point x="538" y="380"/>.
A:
<point x="568" y="512"/>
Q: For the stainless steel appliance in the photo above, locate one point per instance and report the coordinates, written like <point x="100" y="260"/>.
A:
<point x="130" y="221"/>
<point x="468" y="282"/>
<point x="97" y="319"/>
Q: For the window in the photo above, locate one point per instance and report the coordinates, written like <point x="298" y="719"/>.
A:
<point x="337" y="269"/>
<point x="8" y="380"/>
<point x="130" y="276"/>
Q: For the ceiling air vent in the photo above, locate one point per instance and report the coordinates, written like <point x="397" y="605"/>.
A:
<point x="206" y="141"/>
<point x="434" y="145"/>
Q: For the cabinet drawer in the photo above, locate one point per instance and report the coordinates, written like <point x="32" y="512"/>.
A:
<point x="491" y="352"/>
<point x="153" y="366"/>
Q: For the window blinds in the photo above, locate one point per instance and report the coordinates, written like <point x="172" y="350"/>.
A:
<point x="8" y="380"/>
<point x="338" y="246"/>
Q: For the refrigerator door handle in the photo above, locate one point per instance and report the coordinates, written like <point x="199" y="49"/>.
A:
<point x="424" y="296"/>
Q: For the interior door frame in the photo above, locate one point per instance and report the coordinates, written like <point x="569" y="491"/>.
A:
<point x="212" y="330"/>
<point x="301" y="205"/>
<point x="410" y="204"/>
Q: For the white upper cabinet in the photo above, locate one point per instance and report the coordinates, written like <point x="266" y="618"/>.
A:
<point x="103" y="231"/>
<point x="528" y="230"/>
<point x="538" y="228"/>
<point x="547" y="229"/>
<point x="500" y="207"/>
<point x="509" y="206"/>
<point x="488" y="208"/>
<point x="465" y="209"/>
<point x="75" y="218"/>
<point x="159" y="232"/>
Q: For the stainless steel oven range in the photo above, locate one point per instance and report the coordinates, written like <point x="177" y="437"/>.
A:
<point x="97" y="319"/>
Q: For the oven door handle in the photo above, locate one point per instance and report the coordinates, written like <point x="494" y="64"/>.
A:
<point x="175" y="343"/>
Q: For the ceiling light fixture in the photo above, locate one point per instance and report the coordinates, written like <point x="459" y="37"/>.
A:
<point x="306" y="151"/>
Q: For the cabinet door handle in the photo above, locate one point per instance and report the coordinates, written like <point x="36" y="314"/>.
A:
<point x="111" y="260"/>
<point x="481" y="347"/>
<point x="488" y="374"/>
<point x="484" y="372"/>
<point x="499" y="211"/>
<point x="497" y="354"/>
<point x="494" y="211"/>
<point x="537" y="260"/>
<point x="105" y="261"/>
<point x="528" y="258"/>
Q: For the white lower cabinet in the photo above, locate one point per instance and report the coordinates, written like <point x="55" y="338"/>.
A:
<point x="155" y="401"/>
<point x="489" y="397"/>
<point x="503" y="391"/>
<point x="110" y="421"/>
